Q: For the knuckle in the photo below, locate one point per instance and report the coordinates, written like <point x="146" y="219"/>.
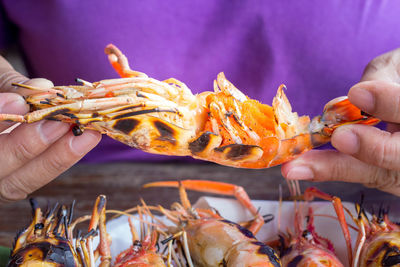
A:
<point x="11" y="191"/>
<point x="386" y="153"/>
<point x="385" y="180"/>
<point x="56" y="164"/>
<point x="22" y="152"/>
<point x="372" y="66"/>
<point x="339" y="169"/>
<point x="379" y="64"/>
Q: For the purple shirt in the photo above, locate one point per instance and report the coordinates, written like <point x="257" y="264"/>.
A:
<point x="317" y="48"/>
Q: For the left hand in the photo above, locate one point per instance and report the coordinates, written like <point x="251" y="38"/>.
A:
<point x="33" y="154"/>
<point x="365" y="154"/>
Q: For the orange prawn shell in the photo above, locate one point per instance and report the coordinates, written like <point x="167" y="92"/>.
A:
<point x="258" y="117"/>
<point x="141" y="259"/>
<point x="310" y="255"/>
<point x="45" y="252"/>
<point x="211" y="239"/>
<point x="379" y="248"/>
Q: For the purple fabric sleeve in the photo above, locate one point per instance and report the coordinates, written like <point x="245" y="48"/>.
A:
<point x="7" y="36"/>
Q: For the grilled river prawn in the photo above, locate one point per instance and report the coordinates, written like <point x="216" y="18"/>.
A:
<point x="211" y="240"/>
<point x="142" y="252"/>
<point x="378" y="241"/>
<point x="164" y="117"/>
<point x="305" y="247"/>
<point x="49" y="241"/>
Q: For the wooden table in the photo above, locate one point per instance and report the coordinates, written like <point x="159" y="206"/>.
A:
<point x="122" y="182"/>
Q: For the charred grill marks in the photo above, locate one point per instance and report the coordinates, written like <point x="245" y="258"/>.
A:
<point x="140" y="112"/>
<point x="131" y="107"/>
<point x="56" y="112"/>
<point x="60" y="253"/>
<point x="166" y="132"/>
<point x="237" y="151"/>
<point x="391" y="260"/>
<point x="266" y="250"/>
<point x="243" y="230"/>
<point x="391" y="256"/>
<point x="72" y="116"/>
<point x="200" y="143"/>
<point x="296" y="260"/>
<point x="126" y="125"/>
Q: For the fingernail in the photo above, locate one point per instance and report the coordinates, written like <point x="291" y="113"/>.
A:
<point x="52" y="130"/>
<point x="83" y="143"/>
<point x="300" y="173"/>
<point x="362" y="98"/>
<point x="13" y="105"/>
<point x="345" y="140"/>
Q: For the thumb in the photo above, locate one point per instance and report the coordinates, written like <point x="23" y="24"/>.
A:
<point x="8" y="76"/>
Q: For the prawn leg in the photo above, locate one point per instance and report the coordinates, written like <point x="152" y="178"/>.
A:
<point x="218" y="188"/>
<point x="120" y="63"/>
<point x="312" y="192"/>
<point x="98" y="220"/>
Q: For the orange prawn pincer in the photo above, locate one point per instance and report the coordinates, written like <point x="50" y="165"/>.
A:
<point x="164" y="117"/>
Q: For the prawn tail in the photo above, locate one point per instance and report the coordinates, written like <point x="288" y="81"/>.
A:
<point x="293" y="147"/>
<point x="339" y="112"/>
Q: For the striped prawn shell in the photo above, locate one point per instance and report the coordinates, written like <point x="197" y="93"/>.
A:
<point x="308" y="254"/>
<point x="49" y="240"/>
<point x="46" y="241"/>
<point x="381" y="249"/>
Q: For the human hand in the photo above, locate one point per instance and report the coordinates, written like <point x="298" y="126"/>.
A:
<point x="365" y="154"/>
<point x="32" y="155"/>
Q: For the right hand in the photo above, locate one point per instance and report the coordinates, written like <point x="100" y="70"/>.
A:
<point x="33" y="154"/>
<point x="365" y="154"/>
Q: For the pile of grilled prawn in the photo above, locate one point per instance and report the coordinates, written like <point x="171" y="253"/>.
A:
<point x="189" y="236"/>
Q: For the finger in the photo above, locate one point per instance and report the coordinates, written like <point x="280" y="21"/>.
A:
<point x="11" y="104"/>
<point x="378" y="98"/>
<point x="369" y="144"/>
<point x="385" y="67"/>
<point x="26" y="142"/>
<point x="330" y="165"/>
<point x="38" y="172"/>
<point x="8" y="76"/>
<point x="35" y="82"/>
